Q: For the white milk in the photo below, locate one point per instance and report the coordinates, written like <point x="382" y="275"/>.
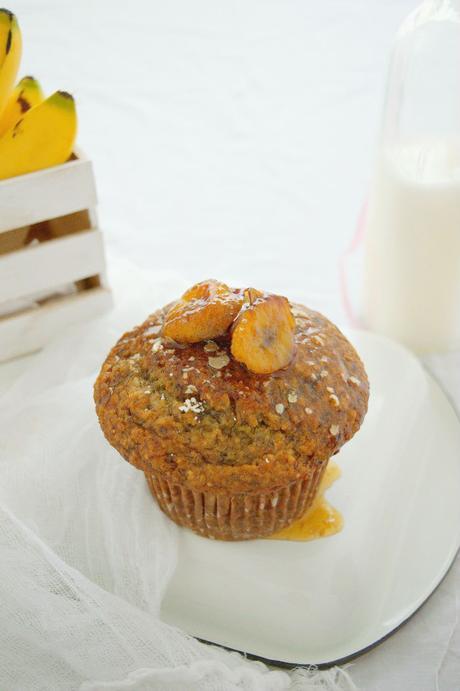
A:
<point x="412" y="264"/>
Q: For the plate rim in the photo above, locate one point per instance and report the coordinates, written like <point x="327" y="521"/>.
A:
<point x="282" y="664"/>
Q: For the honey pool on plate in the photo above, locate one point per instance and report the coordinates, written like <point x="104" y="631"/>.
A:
<point x="321" y="519"/>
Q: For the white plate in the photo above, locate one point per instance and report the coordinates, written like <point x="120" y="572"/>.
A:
<point x="322" y="601"/>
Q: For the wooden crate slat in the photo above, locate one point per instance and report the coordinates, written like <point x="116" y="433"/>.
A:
<point x="51" y="264"/>
<point x="29" y="331"/>
<point x="48" y="193"/>
<point x="49" y="238"/>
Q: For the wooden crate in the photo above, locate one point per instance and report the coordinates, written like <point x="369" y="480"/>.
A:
<point x="49" y="238"/>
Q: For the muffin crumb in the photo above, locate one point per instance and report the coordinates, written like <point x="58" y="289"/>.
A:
<point x="191" y="404"/>
<point x="317" y="340"/>
<point x="153" y="330"/>
<point x="219" y="361"/>
<point x="334" y="400"/>
<point x="297" y="312"/>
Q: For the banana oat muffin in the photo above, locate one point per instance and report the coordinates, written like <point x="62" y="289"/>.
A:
<point x="233" y="431"/>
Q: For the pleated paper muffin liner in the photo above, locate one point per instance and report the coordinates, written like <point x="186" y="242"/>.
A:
<point x="238" y="516"/>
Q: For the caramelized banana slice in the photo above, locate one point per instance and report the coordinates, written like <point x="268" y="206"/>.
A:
<point x="263" y="334"/>
<point x="205" y="311"/>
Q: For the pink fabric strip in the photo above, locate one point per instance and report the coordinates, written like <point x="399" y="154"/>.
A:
<point x="356" y="241"/>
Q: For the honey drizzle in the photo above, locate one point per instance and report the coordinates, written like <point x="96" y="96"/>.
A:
<point x="321" y="519"/>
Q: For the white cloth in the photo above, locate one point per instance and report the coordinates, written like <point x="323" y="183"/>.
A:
<point x="85" y="554"/>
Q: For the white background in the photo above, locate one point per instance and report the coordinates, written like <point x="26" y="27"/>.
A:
<point x="231" y="138"/>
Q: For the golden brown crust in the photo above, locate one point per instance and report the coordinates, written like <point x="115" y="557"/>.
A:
<point x="198" y="417"/>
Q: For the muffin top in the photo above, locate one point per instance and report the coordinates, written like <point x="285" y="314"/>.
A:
<point x="194" y="412"/>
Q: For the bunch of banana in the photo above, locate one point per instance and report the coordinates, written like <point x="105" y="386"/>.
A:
<point x="35" y="132"/>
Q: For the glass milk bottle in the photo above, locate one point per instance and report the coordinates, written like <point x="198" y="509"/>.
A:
<point x="412" y="242"/>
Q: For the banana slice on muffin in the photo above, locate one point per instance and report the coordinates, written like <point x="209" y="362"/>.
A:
<point x="204" y="311"/>
<point x="263" y="333"/>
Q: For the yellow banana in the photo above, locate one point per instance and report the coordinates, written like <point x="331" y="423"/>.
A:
<point x="10" y="55"/>
<point x="43" y="137"/>
<point x="27" y="94"/>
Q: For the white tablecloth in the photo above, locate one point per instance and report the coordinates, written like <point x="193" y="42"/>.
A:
<point x="235" y="139"/>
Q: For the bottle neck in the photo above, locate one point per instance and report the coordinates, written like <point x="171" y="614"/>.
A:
<point x="443" y="9"/>
<point x="428" y="11"/>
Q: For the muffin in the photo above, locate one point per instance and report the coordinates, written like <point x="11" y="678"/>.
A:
<point x="232" y="402"/>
